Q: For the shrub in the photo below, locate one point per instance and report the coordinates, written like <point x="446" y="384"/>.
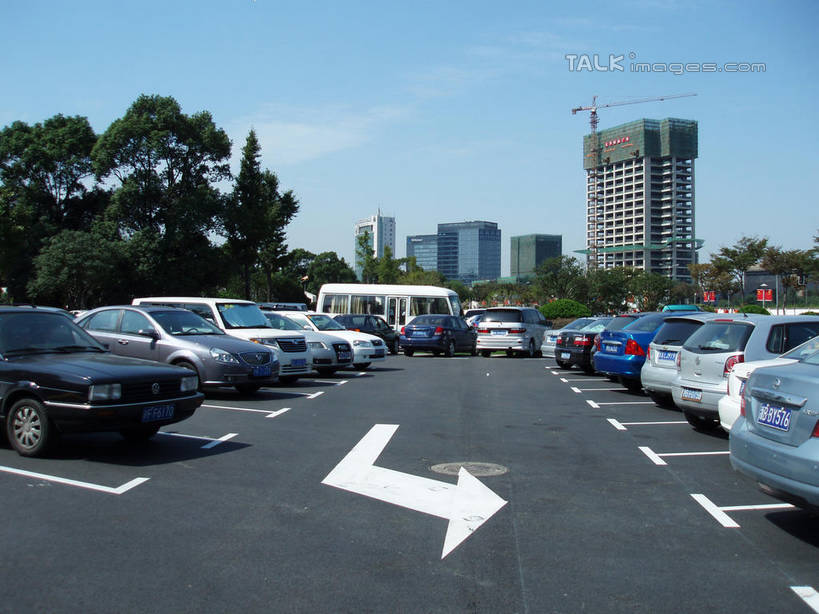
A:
<point x="754" y="309"/>
<point x="564" y="308"/>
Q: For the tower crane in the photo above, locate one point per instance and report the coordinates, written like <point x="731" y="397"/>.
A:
<point x="593" y="121"/>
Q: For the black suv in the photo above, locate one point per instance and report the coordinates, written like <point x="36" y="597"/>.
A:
<point x="55" y="378"/>
<point x="373" y="325"/>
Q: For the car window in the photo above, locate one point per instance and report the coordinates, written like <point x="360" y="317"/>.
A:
<point x="502" y="315"/>
<point x="801" y="352"/>
<point x="182" y="322"/>
<point x="596" y="327"/>
<point x="133" y="322"/>
<point x="799" y="332"/>
<point x="33" y="333"/>
<point x="429" y="321"/>
<point x="242" y="315"/>
<point x="358" y="321"/>
<point x="323" y="322"/>
<point x="276" y="320"/>
<point x="620" y="322"/>
<point x="776" y="339"/>
<point x="675" y="332"/>
<point x="104" y="321"/>
<point x="646" y="324"/>
<point x="201" y="310"/>
<point x="719" y="336"/>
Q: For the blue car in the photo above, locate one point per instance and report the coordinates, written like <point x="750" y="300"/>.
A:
<point x="438" y="334"/>
<point x="622" y="352"/>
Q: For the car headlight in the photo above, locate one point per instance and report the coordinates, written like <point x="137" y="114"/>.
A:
<point x="189" y="383"/>
<point x="316" y="345"/>
<point x="263" y="341"/>
<point x="220" y="355"/>
<point x="105" y="392"/>
<point x="361" y="343"/>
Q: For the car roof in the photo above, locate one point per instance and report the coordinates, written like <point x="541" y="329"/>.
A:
<point x="143" y="308"/>
<point x="191" y="299"/>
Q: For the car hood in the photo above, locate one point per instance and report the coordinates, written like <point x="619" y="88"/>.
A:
<point x="92" y="367"/>
<point x="228" y="343"/>
<point x="352" y="335"/>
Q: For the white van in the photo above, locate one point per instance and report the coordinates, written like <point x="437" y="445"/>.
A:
<point x="245" y="320"/>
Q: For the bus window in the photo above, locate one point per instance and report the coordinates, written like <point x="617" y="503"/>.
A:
<point x="422" y="305"/>
<point x="335" y="303"/>
<point x="367" y="304"/>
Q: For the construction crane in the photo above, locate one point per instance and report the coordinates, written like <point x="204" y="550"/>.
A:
<point x="593" y="121"/>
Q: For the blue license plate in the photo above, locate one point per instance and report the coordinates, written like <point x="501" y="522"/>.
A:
<point x="691" y="394"/>
<point x="498" y="332"/>
<point x="298" y="362"/>
<point x="262" y="371"/>
<point x="157" y="412"/>
<point x="666" y="356"/>
<point x="565" y="355"/>
<point x="379" y="352"/>
<point x="775" y="416"/>
<point x="344" y="356"/>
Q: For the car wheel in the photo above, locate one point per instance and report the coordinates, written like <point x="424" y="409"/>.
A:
<point x="139" y="433"/>
<point x="449" y="352"/>
<point x="510" y="353"/>
<point x="632" y="385"/>
<point x="361" y="366"/>
<point x="486" y="353"/>
<point x="587" y="369"/>
<point x="247" y="388"/>
<point x="701" y="424"/>
<point x="474" y="350"/>
<point x="288" y="379"/>
<point x="394" y="348"/>
<point x="530" y="350"/>
<point x="666" y="401"/>
<point x="408" y="352"/>
<point x="28" y="428"/>
<point x="563" y="364"/>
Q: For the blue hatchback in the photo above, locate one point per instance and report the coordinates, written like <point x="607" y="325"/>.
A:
<point x="438" y="334"/>
<point x="623" y="352"/>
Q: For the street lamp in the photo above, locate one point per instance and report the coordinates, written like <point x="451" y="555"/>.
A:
<point x="764" y="289"/>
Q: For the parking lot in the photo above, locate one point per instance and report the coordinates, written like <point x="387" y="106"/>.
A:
<point x="321" y="497"/>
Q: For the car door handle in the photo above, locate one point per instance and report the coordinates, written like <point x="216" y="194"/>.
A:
<point x="122" y="341"/>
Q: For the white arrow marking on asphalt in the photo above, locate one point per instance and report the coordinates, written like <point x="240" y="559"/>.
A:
<point x="467" y="504"/>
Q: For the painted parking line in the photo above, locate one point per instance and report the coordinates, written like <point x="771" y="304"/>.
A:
<point x="212" y="443"/>
<point x="809" y="595"/>
<point x="598" y="405"/>
<point x="575" y="379"/>
<point x="76" y="483"/>
<point x="326" y="381"/>
<point x="621" y="426"/>
<point x="724" y="519"/>
<point x="657" y="459"/>
<point x="267" y="412"/>
<point x="581" y="390"/>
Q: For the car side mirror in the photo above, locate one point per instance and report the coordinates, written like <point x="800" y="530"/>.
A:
<point x="149" y="332"/>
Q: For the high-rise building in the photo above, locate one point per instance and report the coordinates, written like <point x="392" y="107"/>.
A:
<point x="381" y="234"/>
<point x="424" y="248"/>
<point x="529" y="251"/>
<point x="469" y="251"/>
<point x="640" y="196"/>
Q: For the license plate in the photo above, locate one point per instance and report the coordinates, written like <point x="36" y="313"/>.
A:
<point x="552" y="339"/>
<point x="344" y="356"/>
<point x="565" y="356"/>
<point x="157" y="412"/>
<point x="419" y="333"/>
<point x="379" y="352"/>
<point x="262" y="371"/>
<point x="666" y="356"/>
<point x="498" y="332"/>
<point x="298" y="362"/>
<point x="611" y="349"/>
<point x="689" y="394"/>
<point x="775" y="416"/>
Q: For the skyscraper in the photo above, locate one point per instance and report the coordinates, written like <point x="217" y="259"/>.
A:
<point x="640" y="196"/>
<point x="424" y="248"/>
<point x="529" y="251"/>
<point x="381" y="233"/>
<point x="469" y="251"/>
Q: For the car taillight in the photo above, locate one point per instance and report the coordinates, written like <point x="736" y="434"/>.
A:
<point x="729" y="364"/>
<point x="648" y="353"/>
<point x="582" y="341"/>
<point x="597" y="343"/>
<point x="517" y="331"/>
<point x="678" y="360"/>
<point x="483" y="331"/>
<point x="632" y="347"/>
<point x="742" y="410"/>
<point x="402" y="331"/>
<point x="438" y="330"/>
<point x="815" y="432"/>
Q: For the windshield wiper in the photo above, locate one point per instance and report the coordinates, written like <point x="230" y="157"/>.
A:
<point x="76" y="348"/>
<point x="16" y="351"/>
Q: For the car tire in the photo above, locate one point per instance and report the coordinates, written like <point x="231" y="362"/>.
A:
<point x="587" y="369"/>
<point x="362" y="366"/>
<point x="409" y="352"/>
<point x="325" y="371"/>
<point x="486" y="353"/>
<point x="449" y="352"/>
<point x="530" y="350"/>
<point x="699" y="423"/>
<point x="247" y="388"/>
<point x="510" y="353"/>
<point x="474" y="350"/>
<point x="28" y="428"/>
<point x="288" y="379"/>
<point x="632" y="385"/>
<point x="666" y="401"/>
<point x="139" y="433"/>
<point x="394" y="347"/>
<point x="563" y="364"/>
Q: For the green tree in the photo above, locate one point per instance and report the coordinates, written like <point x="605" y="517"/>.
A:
<point x="328" y="268"/>
<point x="167" y="165"/>
<point x="650" y="290"/>
<point x="560" y="277"/>
<point x="364" y="258"/>
<point x="739" y="258"/>
<point x="564" y="308"/>
<point x="608" y="289"/>
<point x="387" y="268"/>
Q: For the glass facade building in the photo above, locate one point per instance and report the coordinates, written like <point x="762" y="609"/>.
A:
<point x="529" y="251"/>
<point x="469" y="251"/>
<point x="424" y="248"/>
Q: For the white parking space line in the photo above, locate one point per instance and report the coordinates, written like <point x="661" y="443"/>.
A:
<point x="555" y="372"/>
<point x="212" y="443"/>
<point x="593" y="404"/>
<point x="360" y="373"/>
<point x="315" y="394"/>
<point x="809" y="595"/>
<point x="277" y="413"/>
<point x="580" y="390"/>
<point x="725" y="520"/>
<point x="327" y="381"/>
<point x="628" y="403"/>
<point x="621" y="426"/>
<point x="87" y="485"/>
<point x="267" y="412"/>
<point x="657" y="459"/>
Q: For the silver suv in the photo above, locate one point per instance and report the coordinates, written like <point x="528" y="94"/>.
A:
<point x="515" y="330"/>
<point x="709" y="354"/>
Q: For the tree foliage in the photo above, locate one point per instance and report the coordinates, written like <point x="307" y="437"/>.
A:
<point x="564" y="308"/>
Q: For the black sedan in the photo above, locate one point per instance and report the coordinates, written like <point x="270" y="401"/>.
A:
<point x="438" y="334"/>
<point x="576" y="346"/>
<point x="55" y="378"/>
<point x="372" y="325"/>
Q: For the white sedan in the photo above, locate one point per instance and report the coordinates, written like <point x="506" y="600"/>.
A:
<point x="366" y="348"/>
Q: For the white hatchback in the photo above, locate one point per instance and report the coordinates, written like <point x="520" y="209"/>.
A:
<point x="367" y="348"/>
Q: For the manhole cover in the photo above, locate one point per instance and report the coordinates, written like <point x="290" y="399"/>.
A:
<point x="475" y="468"/>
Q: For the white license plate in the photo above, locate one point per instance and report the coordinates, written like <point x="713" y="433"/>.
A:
<point x="775" y="416"/>
<point x="498" y="332"/>
<point x="298" y="362"/>
<point x="157" y="412"/>
<point x="689" y="394"/>
<point x="666" y="356"/>
<point x="565" y="356"/>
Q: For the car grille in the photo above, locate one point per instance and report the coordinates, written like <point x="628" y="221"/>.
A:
<point x="256" y="358"/>
<point x="377" y="342"/>
<point x="292" y="345"/>
<point x="341" y="347"/>
<point x="137" y="392"/>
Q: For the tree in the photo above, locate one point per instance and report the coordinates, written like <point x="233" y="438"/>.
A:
<point x="788" y="266"/>
<point x="387" y="268"/>
<point x="608" y="289"/>
<point x="737" y="259"/>
<point x="328" y="268"/>
<point x="364" y="257"/>
<point x="560" y="277"/>
<point x="650" y="290"/>
<point x="167" y="165"/>
<point x="564" y="308"/>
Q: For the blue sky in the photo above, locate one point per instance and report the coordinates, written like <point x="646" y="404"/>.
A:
<point x="446" y="111"/>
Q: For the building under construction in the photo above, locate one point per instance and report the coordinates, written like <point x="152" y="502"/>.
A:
<point x="640" y="196"/>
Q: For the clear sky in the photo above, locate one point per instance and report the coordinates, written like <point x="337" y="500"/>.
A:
<point x="447" y="111"/>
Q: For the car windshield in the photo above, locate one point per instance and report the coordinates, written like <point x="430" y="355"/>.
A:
<point x="675" y="332"/>
<point x="323" y="322"/>
<point x="277" y="320"/>
<point x="646" y="324"/>
<point x="578" y="323"/>
<point x="718" y="336"/>
<point x="242" y="315"/>
<point x="596" y="327"/>
<point x="39" y="333"/>
<point x="181" y="323"/>
<point x="429" y="321"/>
<point x="620" y="322"/>
<point x="804" y="352"/>
<point x="502" y="315"/>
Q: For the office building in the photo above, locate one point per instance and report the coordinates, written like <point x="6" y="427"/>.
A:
<point x="469" y="251"/>
<point x="381" y="234"/>
<point x="528" y="251"/>
<point x="424" y="248"/>
<point x="640" y="196"/>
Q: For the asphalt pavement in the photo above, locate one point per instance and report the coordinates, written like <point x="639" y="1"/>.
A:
<point x="321" y="497"/>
